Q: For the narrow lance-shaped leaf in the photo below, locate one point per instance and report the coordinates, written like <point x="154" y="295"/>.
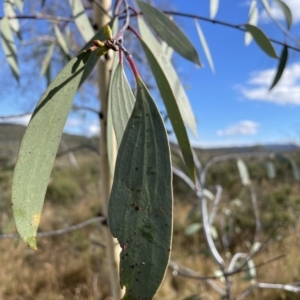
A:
<point x="47" y="59"/>
<point x="252" y="19"/>
<point x="281" y="66"/>
<point x="122" y="102"/>
<point x="81" y="20"/>
<point x="111" y="136"/>
<point x="19" y="4"/>
<point x="140" y="205"/>
<point x="9" y="11"/>
<point x="171" y="75"/>
<point x="214" y="5"/>
<point x="205" y="46"/>
<point x="271" y="171"/>
<point x="295" y="169"/>
<point x="243" y="172"/>
<point x="38" y="149"/>
<point x="61" y="41"/>
<point x="261" y="40"/>
<point x="192" y="228"/>
<point x="168" y="51"/>
<point x="9" y="47"/>
<point x="172" y="108"/>
<point x="287" y="12"/>
<point x="169" y="32"/>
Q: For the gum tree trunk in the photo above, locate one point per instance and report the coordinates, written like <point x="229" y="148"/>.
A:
<point x="104" y="71"/>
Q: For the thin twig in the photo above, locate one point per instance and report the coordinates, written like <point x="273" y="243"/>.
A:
<point x="287" y="287"/>
<point x="175" y="13"/>
<point x="59" y="231"/>
<point x="186" y="272"/>
<point x="215" y="205"/>
<point x="120" y="34"/>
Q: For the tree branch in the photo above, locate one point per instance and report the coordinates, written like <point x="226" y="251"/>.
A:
<point x="59" y="231"/>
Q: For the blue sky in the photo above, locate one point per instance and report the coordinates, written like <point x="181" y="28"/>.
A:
<point x="232" y="106"/>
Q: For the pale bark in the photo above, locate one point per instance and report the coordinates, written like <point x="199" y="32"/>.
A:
<point x="104" y="71"/>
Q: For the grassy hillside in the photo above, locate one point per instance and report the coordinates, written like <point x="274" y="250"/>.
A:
<point x="72" y="266"/>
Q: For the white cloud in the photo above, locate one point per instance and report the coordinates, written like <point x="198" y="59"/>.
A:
<point x="245" y="127"/>
<point x="22" y="120"/>
<point x="278" y="14"/>
<point x="287" y="91"/>
<point x="93" y="129"/>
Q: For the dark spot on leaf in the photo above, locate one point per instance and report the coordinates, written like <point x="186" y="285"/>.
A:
<point x="136" y="168"/>
<point x="137" y="208"/>
<point x="132" y="266"/>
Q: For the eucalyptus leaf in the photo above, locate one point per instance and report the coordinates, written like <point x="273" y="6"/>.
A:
<point x="287" y="13"/>
<point x="38" y="149"/>
<point x="61" y="40"/>
<point x="112" y="148"/>
<point x="19" y="4"/>
<point x="81" y="20"/>
<point x="243" y="170"/>
<point x="261" y="39"/>
<point x="171" y="75"/>
<point x="122" y="102"/>
<point x="252" y="19"/>
<point x="168" y="30"/>
<point x="214" y="5"/>
<point x="172" y="106"/>
<point x="205" y="46"/>
<point x="271" y="171"/>
<point x="47" y="59"/>
<point x="295" y="169"/>
<point x="192" y="229"/>
<point x="9" y="47"/>
<point x="281" y="66"/>
<point x="140" y="205"/>
<point x="9" y="11"/>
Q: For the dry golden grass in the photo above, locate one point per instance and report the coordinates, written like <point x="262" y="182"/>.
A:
<point x="71" y="266"/>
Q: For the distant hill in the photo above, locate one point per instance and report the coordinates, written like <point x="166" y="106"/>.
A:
<point x="12" y="134"/>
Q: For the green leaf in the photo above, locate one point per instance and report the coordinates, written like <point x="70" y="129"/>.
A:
<point x="171" y="104"/>
<point x="252" y="19"/>
<point x="19" y="4"/>
<point x="261" y="40"/>
<point x="61" y="41"/>
<point x="112" y="148"/>
<point x="205" y="46"/>
<point x="214" y="5"/>
<point x="271" y="171"/>
<point x="192" y="229"/>
<point x="81" y="20"/>
<point x="243" y="172"/>
<point x="281" y="66"/>
<point x="295" y="169"/>
<point x="122" y="102"/>
<point x="171" y="75"/>
<point x="38" y="149"/>
<point x="47" y="59"/>
<point x="9" y="47"/>
<point x="287" y="12"/>
<point x="9" y="11"/>
<point x="93" y="58"/>
<point x="169" y="32"/>
<point x="140" y="205"/>
<point x="168" y="51"/>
